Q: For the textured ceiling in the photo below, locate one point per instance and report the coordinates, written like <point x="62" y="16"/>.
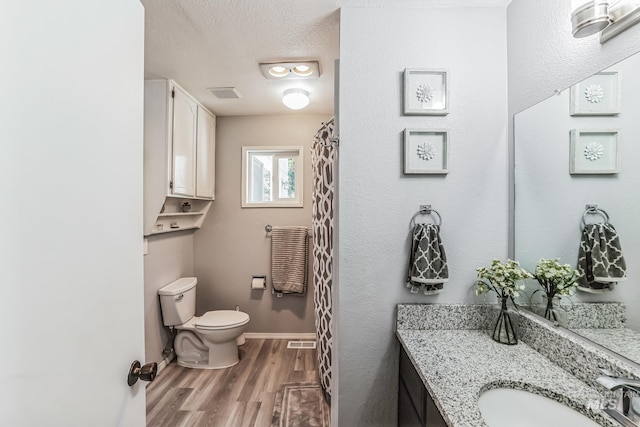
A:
<point x="202" y="44"/>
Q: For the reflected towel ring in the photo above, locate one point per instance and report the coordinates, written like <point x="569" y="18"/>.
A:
<point x="426" y="210"/>
<point x="593" y="210"/>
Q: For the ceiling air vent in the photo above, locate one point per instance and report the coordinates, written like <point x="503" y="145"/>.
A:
<point x="225" y="92"/>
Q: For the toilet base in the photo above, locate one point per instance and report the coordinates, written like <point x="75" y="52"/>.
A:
<point x="197" y="353"/>
<point x="197" y="365"/>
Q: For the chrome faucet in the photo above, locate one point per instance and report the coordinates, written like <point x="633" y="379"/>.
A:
<point x="627" y="409"/>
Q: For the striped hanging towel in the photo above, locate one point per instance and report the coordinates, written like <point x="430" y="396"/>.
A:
<point x="289" y="259"/>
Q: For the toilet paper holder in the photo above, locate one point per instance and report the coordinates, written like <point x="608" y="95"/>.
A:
<point x="259" y="282"/>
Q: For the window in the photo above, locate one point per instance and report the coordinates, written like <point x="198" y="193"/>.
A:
<point x="272" y="177"/>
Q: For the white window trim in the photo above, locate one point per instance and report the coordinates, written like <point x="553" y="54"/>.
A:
<point x="294" y="203"/>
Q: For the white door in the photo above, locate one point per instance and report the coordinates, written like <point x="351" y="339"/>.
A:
<point x="205" y="154"/>
<point x="185" y="112"/>
<point x="71" y="120"/>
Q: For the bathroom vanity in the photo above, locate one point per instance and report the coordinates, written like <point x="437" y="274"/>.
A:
<point x="444" y="371"/>
<point x="415" y="405"/>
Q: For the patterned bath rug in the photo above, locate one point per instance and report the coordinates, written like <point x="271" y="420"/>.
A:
<point x="300" y="405"/>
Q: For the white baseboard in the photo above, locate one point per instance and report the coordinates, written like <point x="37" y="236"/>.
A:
<point x="279" y="336"/>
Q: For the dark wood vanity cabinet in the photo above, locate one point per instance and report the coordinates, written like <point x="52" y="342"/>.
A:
<point x="415" y="406"/>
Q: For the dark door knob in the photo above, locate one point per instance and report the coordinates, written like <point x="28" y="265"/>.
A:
<point x="146" y="373"/>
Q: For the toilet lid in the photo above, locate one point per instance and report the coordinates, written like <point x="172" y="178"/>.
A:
<point x="221" y="319"/>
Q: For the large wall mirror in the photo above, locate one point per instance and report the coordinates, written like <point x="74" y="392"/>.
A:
<point x="555" y="181"/>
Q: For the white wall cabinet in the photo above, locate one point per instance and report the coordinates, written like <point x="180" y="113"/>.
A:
<point x="205" y="154"/>
<point x="179" y="158"/>
<point x="183" y="140"/>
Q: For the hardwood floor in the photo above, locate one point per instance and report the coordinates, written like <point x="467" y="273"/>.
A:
<point x="240" y="396"/>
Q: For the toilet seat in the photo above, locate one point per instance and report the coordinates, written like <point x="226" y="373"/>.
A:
<point x="221" y="319"/>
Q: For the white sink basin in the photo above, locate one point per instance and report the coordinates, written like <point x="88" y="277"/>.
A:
<point x="506" y="407"/>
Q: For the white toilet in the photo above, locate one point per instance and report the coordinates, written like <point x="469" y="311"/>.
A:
<point x="205" y="342"/>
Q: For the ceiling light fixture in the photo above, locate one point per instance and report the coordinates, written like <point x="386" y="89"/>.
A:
<point x="290" y="70"/>
<point x="295" y="99"/>
<point x="609" y="18"/>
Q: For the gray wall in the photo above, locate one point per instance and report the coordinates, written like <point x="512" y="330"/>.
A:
<point x="232" y="246"/>
<point x="169" y="257"/>
<point x="376" y="201"/>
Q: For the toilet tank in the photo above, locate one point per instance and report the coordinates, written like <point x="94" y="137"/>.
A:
<point x="178" y="301"/>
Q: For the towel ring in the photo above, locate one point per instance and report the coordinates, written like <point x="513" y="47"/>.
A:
<point x="426" y="210"/>
<point x="593" y="210"/>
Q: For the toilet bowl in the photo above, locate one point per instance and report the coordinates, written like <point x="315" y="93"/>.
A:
<point x="205" y="342"/>
<point x="209" y="341"/>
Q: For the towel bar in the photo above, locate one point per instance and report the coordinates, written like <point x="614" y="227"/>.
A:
<point x="269" y="228"/>
<point x="593" y="210"/>
<point x="426" y="210"/>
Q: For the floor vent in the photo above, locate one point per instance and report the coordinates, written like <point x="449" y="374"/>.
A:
<point x="302" y="344"/>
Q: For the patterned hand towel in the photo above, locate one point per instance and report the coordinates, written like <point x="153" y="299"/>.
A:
<point x="427" y="260"/>
<point x="289" y="259"/>
<point x="600" y="260"/>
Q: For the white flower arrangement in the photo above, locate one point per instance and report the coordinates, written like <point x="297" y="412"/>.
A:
<point x="502" y="279"/>
<point x="556" y="278"/>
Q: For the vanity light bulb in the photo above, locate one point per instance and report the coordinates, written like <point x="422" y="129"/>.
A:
<point x="278" y="71"/>
<point x="302" y="70"/>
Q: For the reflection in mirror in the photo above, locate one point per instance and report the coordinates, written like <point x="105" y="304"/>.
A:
<point x="556" y="178"/>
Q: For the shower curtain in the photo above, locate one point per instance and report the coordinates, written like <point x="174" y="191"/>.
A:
<point x="322" y="159"/>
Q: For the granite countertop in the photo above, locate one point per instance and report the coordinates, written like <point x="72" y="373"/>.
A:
<point x="456" y="366"/>
<point x="624" y="341"/>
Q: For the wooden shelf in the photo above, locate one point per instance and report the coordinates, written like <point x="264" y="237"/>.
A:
<point x="154" y="232"/>
<point x="169" y="214"/>
<point x="178" y="219"/>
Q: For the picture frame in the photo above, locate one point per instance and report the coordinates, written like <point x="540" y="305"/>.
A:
<point x="598" y="95"/>
<point x="426" y="92"/>
<point x="594" y="151"/>
<point x="426" y="152"/>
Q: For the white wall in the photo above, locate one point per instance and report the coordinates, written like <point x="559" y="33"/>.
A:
<point x="71" y="247"/>
<point x="232" y="244"/>
<point x="376" y="201"/>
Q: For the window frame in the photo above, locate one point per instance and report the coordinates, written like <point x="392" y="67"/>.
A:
<point x="279" y="152"/>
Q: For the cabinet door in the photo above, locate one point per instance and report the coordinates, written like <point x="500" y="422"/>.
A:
<point x="434" y="418"/>
<point x="184" y="144"/>
<point x="205" y="154"/>
<point x="407" y="415"/>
